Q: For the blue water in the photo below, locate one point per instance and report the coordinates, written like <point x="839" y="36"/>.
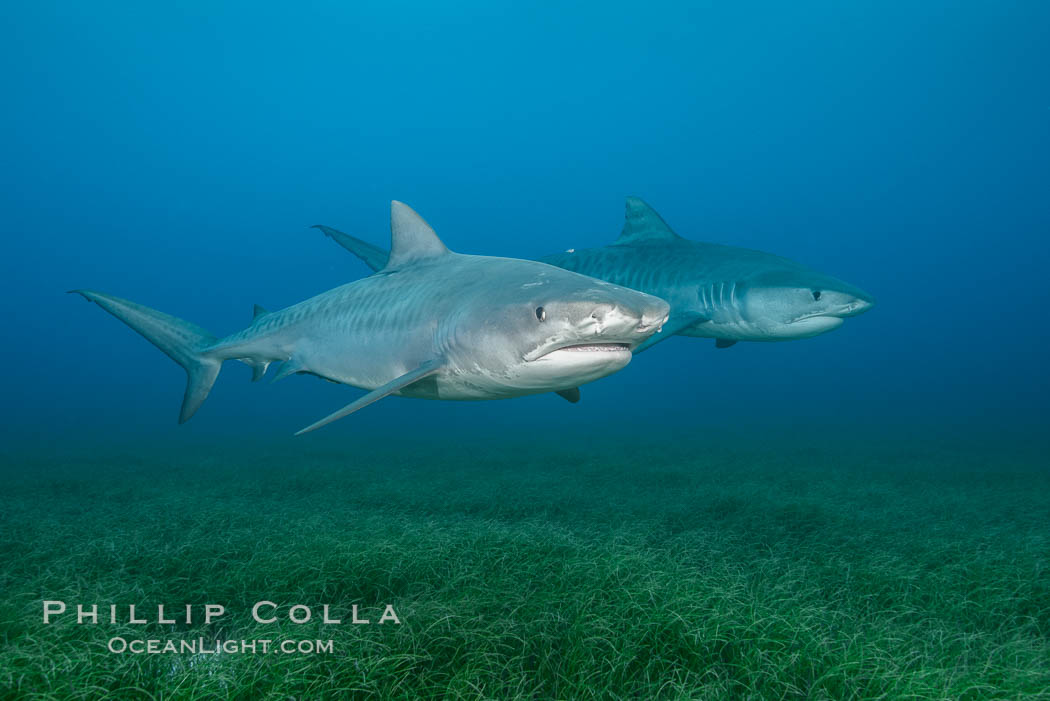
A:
<point x="175" y="156"/>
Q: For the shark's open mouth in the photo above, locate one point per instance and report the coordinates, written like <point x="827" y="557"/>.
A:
<point x="589" y="348"/>
<point x="810" y="316"/>
<point x="815" y="324"/>
<point x="852" y="309"/>
<point x="600" y="347"/>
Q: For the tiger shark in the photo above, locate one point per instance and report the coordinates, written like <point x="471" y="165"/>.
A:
<point x="726" y="293"/>
<point x="429" y="323"/>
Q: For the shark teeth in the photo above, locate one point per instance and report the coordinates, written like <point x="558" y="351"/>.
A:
<point x="599" y="347"/>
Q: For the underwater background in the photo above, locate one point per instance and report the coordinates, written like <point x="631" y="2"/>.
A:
<point x="859" y="514"/>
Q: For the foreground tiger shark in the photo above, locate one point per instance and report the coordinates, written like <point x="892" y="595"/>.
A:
<point x="430" y="323"/>
<point x="726" y="293"/>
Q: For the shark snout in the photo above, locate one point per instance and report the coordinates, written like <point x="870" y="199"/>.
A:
<point x="654" y="315"/>
<point x="837" y="299"/>
<point x="625" y="321"/>
<point x="652" y="321"/>
<point x="858" y="307"/>
<point x="860" y="303"/>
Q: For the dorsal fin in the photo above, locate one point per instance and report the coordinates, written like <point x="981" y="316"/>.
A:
<point x="643" y="224"/>
<point x="258" y="311"/>
<point x="411" y="238"/>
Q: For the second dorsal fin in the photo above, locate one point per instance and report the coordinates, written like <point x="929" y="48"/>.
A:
<point x="411" y="238"/>
<point x="642" y="224"/>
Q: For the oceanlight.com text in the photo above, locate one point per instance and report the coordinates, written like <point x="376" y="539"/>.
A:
<point x="200" y="646"/>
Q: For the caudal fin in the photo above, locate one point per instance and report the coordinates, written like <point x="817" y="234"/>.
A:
<point x="180" y="340"/>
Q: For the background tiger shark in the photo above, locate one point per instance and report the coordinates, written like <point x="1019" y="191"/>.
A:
<point x="430" y="323"/>
<point x="726" y="293"/>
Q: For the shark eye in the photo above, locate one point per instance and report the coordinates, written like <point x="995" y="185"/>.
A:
<point x="816" y="295"/>
<point x="541" y="313"/>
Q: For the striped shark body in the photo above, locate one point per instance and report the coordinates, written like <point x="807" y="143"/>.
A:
<point x="430" y="323"/>
<point x="726" y="293"/>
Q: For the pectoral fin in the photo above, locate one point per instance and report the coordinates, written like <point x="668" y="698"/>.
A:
<point x="398" y="383"/>
<point x="724" y="342"/>
<point x="570" y="395"/>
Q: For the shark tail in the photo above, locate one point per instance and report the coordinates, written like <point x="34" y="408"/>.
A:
<point x="180" y="340"/>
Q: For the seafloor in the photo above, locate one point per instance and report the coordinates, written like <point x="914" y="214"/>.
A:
<point x="681" y="564"/>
